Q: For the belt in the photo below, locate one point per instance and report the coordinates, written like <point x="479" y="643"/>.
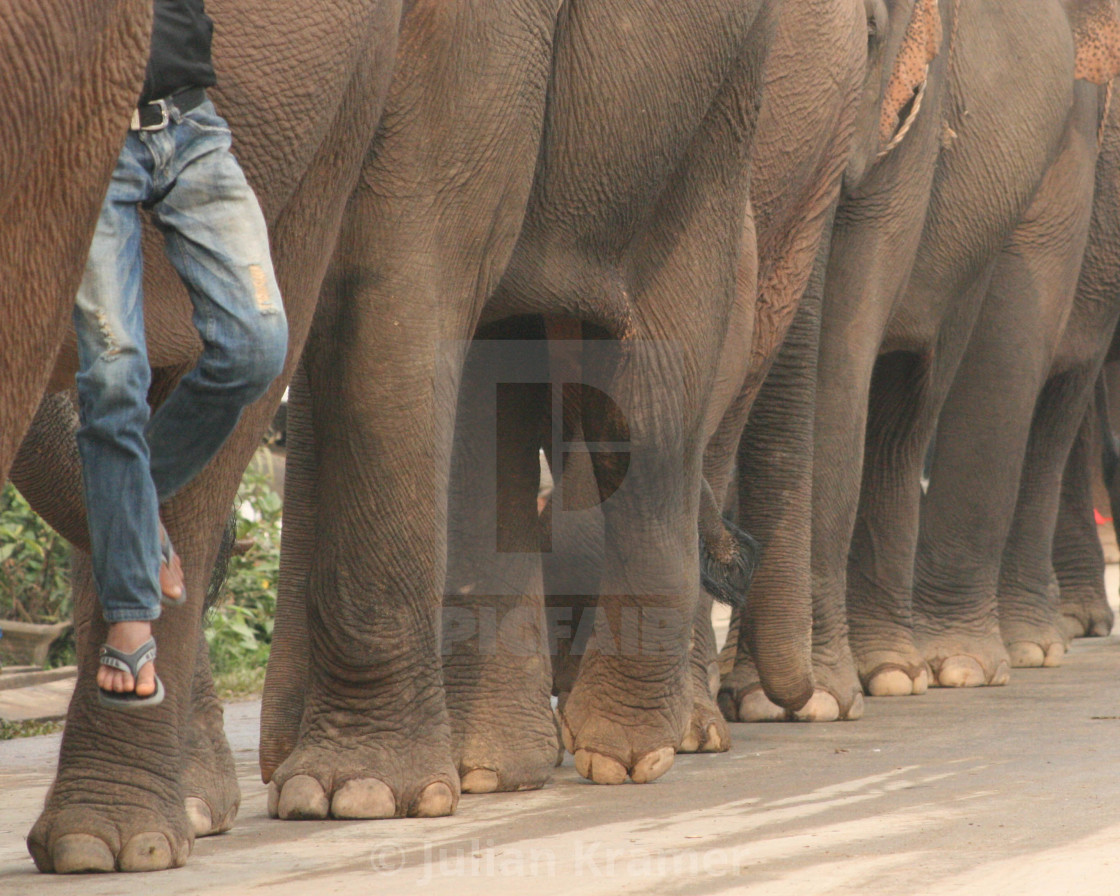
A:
<point x="156" y="115"/>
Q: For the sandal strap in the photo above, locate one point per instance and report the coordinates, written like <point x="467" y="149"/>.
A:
<point x="165" y="549"/>
<point x="129" y="662"/>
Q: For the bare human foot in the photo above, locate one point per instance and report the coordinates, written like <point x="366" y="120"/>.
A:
<point x="127" y="637"/>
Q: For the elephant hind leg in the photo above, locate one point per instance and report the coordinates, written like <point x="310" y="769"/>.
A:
<point x="901" y="411"/>
<point x="496" y="667"/>
<point x="1077" y="556"/>
<point x="707" y="730"/>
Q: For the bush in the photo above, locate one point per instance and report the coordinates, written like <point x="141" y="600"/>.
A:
<point x="35" y="580"/>
<point x="34" y="564"/>
<point x="239" y="627"/>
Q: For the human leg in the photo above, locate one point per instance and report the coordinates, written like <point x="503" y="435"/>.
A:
<point x="218" y="243"/>
<point x="113" y="382"/>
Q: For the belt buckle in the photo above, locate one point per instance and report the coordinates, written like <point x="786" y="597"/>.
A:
<point x="164" y="120"/>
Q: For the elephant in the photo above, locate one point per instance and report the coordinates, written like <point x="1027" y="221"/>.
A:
<point x="970" y="229"/>
<point x="71" y="70"/>
<point x="771" y="489"/>
<point x="318" y="192"/>
<point x="1043" y="595"/>
<point x="133" y="790"/>
<point x="822" y="115"/>
<point x="640" y="240"/>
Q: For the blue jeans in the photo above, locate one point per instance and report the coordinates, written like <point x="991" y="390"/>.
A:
<point x="215" y="237"/>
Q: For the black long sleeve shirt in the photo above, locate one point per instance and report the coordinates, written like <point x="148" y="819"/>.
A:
<point x="180" y="56"/>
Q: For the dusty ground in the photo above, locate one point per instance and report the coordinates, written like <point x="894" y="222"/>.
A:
<point x="992" y="791"/>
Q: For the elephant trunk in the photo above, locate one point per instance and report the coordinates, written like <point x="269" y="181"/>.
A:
<point x="775" y="463"/>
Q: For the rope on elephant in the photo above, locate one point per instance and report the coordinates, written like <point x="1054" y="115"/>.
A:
<point x="904" y="128"/>
<point x="900" y="134"/>
<point x="1104" y="114"/>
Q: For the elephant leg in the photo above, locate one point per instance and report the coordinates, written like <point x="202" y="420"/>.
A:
<point x="880" y="569"/>
<point x="422" y="245"/>
<point x="707" y="729"/>
<point x="374" y="739"/>
<point x="1077" y="557"/>
<point x="129" y="792"/>
<point x="75" y="832"/>
<point x="210" y="791"/>
<point x="1078" y="560"/>
<point x="1029" y="604"/>
<point x="982" y="438"/>
<point x="572" y="522"/>
<point x="965" y="516"/>
<point x="871" y="416"/>
<point x="631" y="701"/>
<point x="496" y="667"/>
<point x="286" y="677"/>
<point x="117" y="800"/>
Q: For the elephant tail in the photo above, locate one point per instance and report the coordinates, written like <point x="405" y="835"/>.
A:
<point x="728" y="555"/>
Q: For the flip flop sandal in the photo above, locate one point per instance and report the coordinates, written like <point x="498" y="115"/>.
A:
<point x="131" y="663"/>
<point x="167" y="558"/>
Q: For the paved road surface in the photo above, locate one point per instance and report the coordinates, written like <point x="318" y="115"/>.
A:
<point x="1012" y="790"/>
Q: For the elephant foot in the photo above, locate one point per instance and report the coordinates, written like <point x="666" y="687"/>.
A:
<point x="211" y="794"/>
<point x="1087" y="617"/>
<point x="1031" y="654"/>
<point x="967" y="662"/>
<point x="127" y="818"/>
<point x="80" y="853"/>
<point x="755" y="706"/>
<point x="508" y="756"/>
<point x="612" y="742"/>
<point x="1033" y="645"/>
<point x="891" y="674"/>
<point x="889" y="663"/>
<point x="351" y="780"/>
<point x="707" y="730"/>
<point x="837" y="695"/>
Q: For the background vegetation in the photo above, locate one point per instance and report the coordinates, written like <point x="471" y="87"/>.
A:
<point x="35" y="582"/>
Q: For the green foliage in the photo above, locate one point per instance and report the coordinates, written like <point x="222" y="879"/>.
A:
<point x="239" y="628"/>
<point x="35" y="581"/>
<point x="239" y="682"/>
<point x="12" y="730"/>
<point x="34" y="564"/>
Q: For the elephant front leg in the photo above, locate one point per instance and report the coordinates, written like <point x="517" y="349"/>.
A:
<point x="365" y="540"/>
<point x="374" y="741"/>
<point x="117" y="801"/>
<point x="1029" y="603"/>
<point x="881" y="557"/>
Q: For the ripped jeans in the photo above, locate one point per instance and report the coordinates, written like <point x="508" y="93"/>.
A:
<point x="215" y="237"/>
